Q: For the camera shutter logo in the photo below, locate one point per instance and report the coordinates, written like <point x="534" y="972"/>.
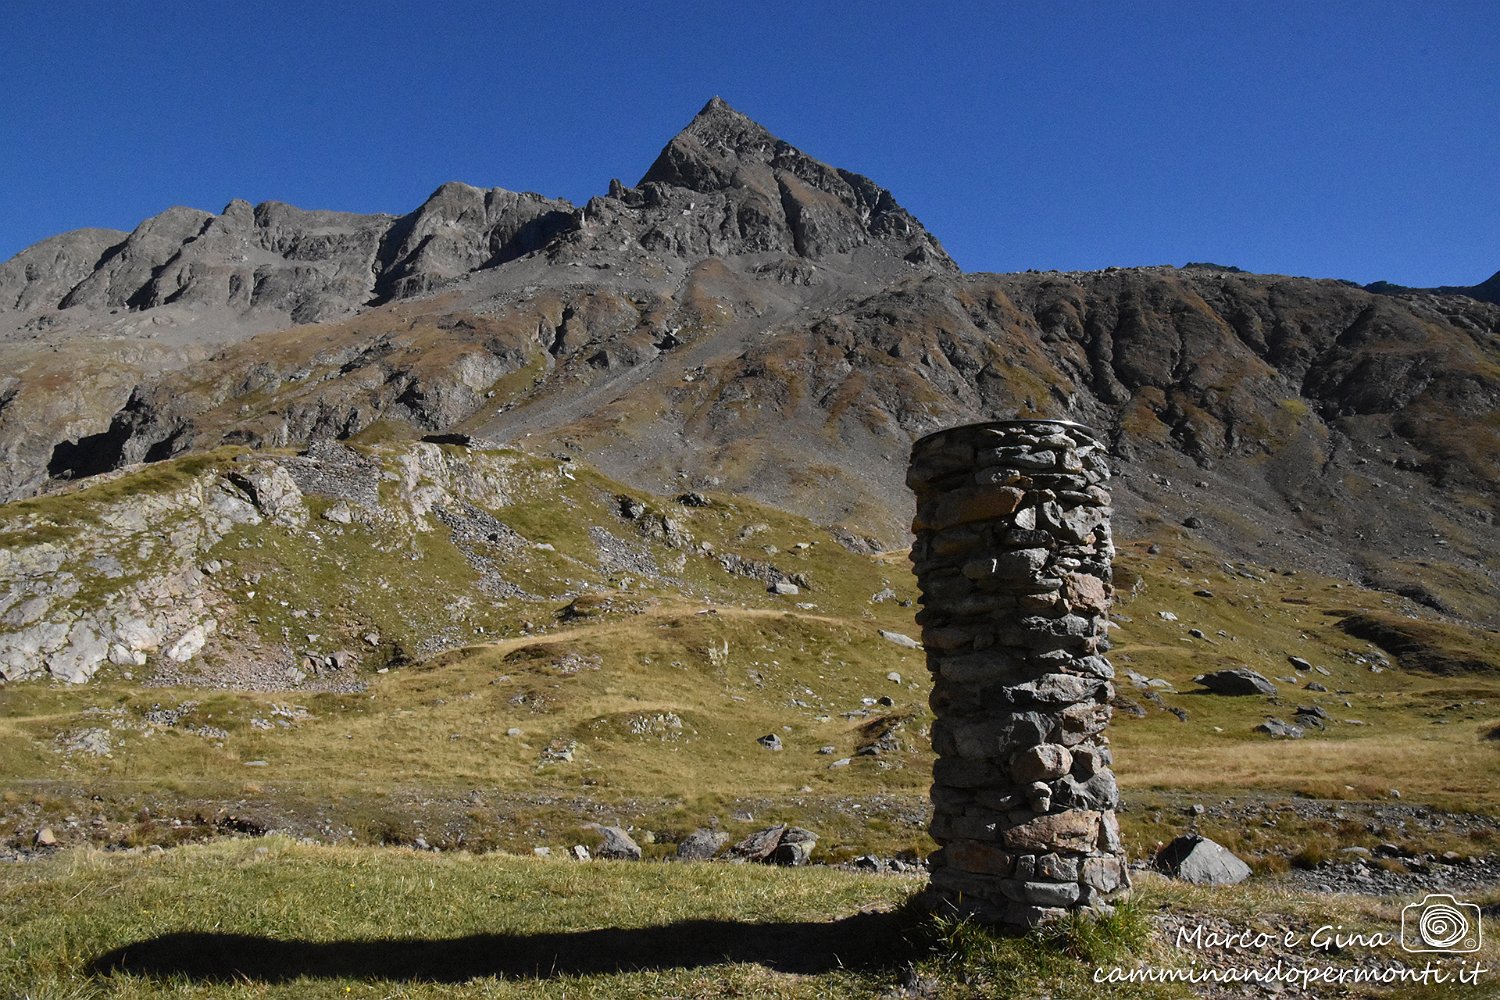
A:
<point x="1441" y="923"/>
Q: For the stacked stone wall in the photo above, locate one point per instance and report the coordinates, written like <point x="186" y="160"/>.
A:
<point x="1012" y="555"/>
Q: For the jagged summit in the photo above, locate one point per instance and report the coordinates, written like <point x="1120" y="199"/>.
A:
<point x="738" y="189"/>
<point x="706" y="154"/>
<point x="116" y="310"/>
<point x="761" y="193"/>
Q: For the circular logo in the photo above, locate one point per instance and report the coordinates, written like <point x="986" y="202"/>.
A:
<point x="1442" y="926"/>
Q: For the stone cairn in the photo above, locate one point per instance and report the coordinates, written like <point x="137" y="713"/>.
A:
<point x="1012" y="554"/>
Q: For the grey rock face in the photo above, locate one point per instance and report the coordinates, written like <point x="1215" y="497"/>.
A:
<point x="124" y="273"/>
<point x="724" y="185"/>
<point x="41" y="276"/>
<point x="305" y="266"/>
<point x="1238" y="681"/>
<point x="160" y="596"/>
<point x="1192" y="858"/>
<point x="461" y="229"/>
<point x="44" y="635"/>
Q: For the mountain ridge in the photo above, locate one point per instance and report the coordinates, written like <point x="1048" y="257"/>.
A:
<point x="1486" y="291"/>
<point x="749" y="318"/>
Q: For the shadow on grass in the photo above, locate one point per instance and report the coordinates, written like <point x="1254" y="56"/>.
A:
<point x="864" y="941"/>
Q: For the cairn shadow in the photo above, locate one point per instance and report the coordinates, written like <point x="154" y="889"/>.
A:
<point x="867" y="941"/>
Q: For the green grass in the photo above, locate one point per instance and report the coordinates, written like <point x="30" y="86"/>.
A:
<point x="269" y="918"/>
<point x="965" y="959"/>
<point x="1422" y="732"/>
<point x="291" y="921"/>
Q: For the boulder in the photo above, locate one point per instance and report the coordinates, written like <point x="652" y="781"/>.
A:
<point x="339" y="513"/>
<point x="900" y="639"/>
<point x="778" y="845"/>
<point x="1238" y="681"/>
<point x="1280" y="730"/>
<point x="1191" y="858"/>
<point x="617" y="844"/>
<point x="701" y="845"/>
<point x="795" y="849"/>
<point x="761" y="844"/>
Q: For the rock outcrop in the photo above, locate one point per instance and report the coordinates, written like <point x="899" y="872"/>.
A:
<point x="68" y="607"/>
<point x="138" y="574"/>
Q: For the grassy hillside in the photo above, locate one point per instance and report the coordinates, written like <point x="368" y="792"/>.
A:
<point x="595" y="661"/>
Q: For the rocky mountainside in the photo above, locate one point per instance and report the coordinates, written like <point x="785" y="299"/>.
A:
<point x="750" y="320"/>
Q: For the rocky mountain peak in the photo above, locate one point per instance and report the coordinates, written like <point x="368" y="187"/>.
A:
<point x="240" y="211"/>
<point x="759" y="193"/>
<point x="707" y="155"/>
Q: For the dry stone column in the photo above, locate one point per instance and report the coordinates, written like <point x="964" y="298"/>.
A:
<point x="1012" y="554"/>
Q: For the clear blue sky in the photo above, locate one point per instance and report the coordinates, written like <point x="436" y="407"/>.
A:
<point x="1355" y="140"/>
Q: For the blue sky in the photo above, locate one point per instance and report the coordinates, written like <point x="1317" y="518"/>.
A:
<point x="1354" y="140"/>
